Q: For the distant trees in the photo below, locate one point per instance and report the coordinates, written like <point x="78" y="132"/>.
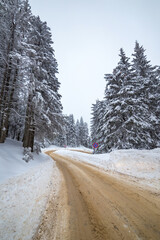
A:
<point x="30" y="105"/>
<point x="97" y="133"/>
<point x="71" y="131"/>
<point x="129" y="115"/>
<point x="74" y="134"/>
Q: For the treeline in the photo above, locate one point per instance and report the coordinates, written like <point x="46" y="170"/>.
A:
<point x="129" y="114"/>
<point x="30" y="105"/>
<point x="74" y="133"/>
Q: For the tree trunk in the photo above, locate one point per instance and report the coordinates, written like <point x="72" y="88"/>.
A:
<point x="29" y="131"/>
<point x="5" y="95"/>
<point x="7" y="109"/>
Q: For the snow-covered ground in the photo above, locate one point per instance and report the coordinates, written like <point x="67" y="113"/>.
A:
<point x="51" y="147"/>
<point x="24" y="190"/>
<point x="25" y="187"/>
<point x="55" y="148"/>
<point x="141" y="164"/>
<point x="81" y="148"/>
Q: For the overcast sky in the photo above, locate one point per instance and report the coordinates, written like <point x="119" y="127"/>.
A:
<point x="87" y="36"/>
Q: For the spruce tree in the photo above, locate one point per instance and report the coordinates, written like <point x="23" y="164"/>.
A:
<point x="44" y="109"/>
<point x="14" y="16"/>
<point x="71" y="131"/>
<point x="77" y="134"/>
<point x="154" y="106"/>
<point x="126" y="125"/>
<point x="94" y="122"/>
<point x="143" y="75"/>
<point x="30" y="104"/>
<point x="100" y="128"/>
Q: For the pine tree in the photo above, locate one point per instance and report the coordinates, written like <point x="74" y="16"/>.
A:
<point x="112" y="115"/>
<point x="126" y="125"/>
<point x="154" y="106"/>
<point x="83" y="133"/>
<point x="30" y="105"/>
<point x="77" y="134"/>
<point x="71" y="131"/>
<point x="144" y="77"/>
<point x="44" y="109"/>
<point x="86" y="136"/>
<point x="94" y="122"/>
<point x="15" y="15"/>
<point x="100" y="128"/>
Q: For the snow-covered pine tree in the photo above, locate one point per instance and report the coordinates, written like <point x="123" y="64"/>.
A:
<point x="14" y="17"/>
<point x="83" y="133"/>
<point x="125" y="117"/>
<point x="29" y="98"/>
<point x="94" y="122"/>
<point x="86" y="135"/>
<point x="44" y="110"/>
<point x="20" y="97"/>
<point x="144" y="77"/>
<point x="71" y="131"/>
<point x="128" y="121"/>
<point x="112" y="115"/>
<point x="100" y="128"/>
<point x="78" y="142"/>
<point x="131" y="107"/>
<point x="155" y="104"/>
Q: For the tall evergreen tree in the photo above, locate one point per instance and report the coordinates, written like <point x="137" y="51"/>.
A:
<point x="130" y="111"/>
<point x="71" y="131"/>
<point x="154" y="106"/>
<point x="94" y="122"/>
<point x="126" y="123"/>
<point x="15" y="15"/>
<point x="83" y="133"/>
<point x="30" y="105"/>
<point x="78" y="141"/>
<point x="100" y="128"/>
<point x="144" y="76"/>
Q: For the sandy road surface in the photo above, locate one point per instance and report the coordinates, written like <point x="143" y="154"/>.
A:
<point x="95" y="206"/>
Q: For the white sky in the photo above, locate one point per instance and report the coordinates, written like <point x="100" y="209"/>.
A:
<point x="87" y="36"/>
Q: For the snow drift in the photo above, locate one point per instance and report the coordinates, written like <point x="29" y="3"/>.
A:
<point x="142" y="164"/>
<point x="24" y="191"/>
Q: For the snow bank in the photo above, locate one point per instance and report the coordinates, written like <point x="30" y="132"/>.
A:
<point x="11" y="163"/>
<point x="81" y="148"/>
<point x="55" y="148"/>
<point x="24" y="191"/>
<point x="51" y="147"/>
<point x="136" y="163"/>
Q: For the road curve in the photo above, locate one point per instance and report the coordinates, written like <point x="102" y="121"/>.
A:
<point x="93" y="205"/>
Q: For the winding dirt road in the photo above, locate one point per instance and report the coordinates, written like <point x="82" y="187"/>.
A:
<point x="93" y="205"/>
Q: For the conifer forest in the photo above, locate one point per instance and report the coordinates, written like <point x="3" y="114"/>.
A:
<point x="79" y="120"/>
<point x="30" y="103"/>
<point x="129" y="115"/>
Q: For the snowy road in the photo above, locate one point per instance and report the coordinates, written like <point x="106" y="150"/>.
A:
<point x="95" y="205"/>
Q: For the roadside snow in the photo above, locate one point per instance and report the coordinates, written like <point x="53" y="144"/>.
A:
<point x="142" y="164"/>
<point x="51" y="147"/>
<point x="55" y="148"/>
<point x="81" y="148"/>
<point x="11" y="163"/>
<point x="24" y="191"/>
